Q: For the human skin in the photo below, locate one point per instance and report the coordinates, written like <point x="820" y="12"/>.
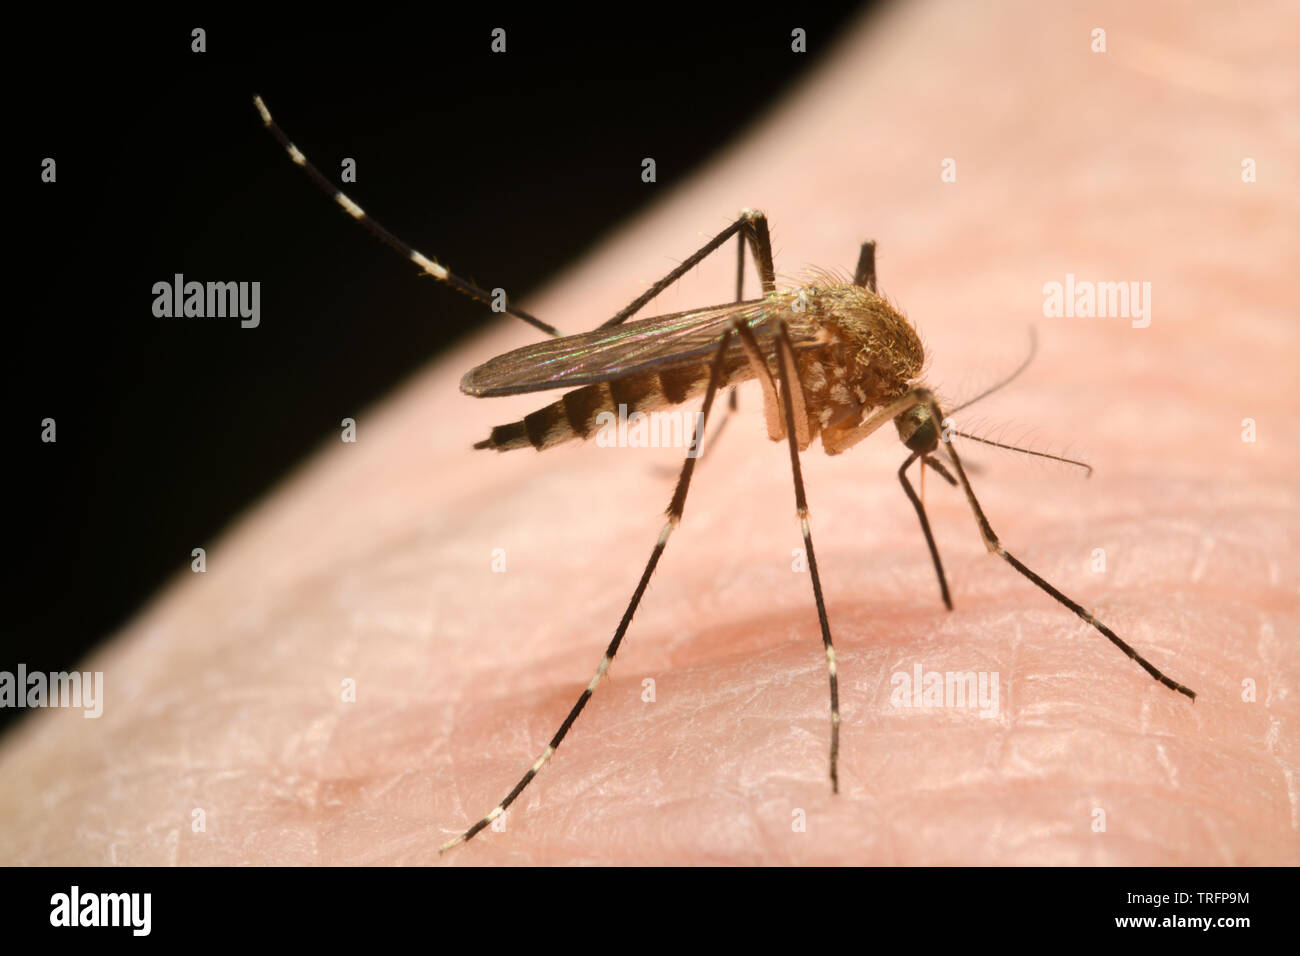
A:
<point x="373" y="564"/>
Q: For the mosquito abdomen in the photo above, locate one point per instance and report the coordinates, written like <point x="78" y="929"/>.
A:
<point x="575" y="415"/>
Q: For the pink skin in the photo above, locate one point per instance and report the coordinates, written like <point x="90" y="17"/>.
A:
<point x="373" y="564"/>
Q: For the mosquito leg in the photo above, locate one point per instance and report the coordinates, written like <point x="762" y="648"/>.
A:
<point x="752" y="226"/>
<point x="944" y="473"/>
<point x="732" y="404"/>
<point x="713" y="439"/>
<point x="722" y="425"/>
<point x="674" y="513"/>
<point x="865" y="274"/>
<point x="994" y="545"/>
<point x="771" y="406"/>
<point x="740" y="268"/>
<point x="427" y="265"/>
<point x="740" y="297"/>
<point x="760" y="244"/>
<point x="925" y="527"/>
<point x="789" y="383"/>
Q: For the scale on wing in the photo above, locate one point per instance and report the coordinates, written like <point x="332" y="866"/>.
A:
<point x="660" y="343"/>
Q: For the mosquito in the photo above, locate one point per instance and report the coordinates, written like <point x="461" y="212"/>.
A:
<point x="834" y="360"/>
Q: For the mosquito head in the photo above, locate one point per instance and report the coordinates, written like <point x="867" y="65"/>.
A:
<point x="917" y="429"/>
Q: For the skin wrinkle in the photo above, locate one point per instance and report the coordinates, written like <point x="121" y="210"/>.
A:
<point x="449" y="713"/>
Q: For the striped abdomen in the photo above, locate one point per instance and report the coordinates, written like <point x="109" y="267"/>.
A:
<point x="574" y="416"/>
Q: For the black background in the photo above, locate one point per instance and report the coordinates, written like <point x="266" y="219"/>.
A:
<point x="503" y="166"/>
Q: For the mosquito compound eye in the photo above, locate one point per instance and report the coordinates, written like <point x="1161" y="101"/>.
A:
<point x="916" y="430"/>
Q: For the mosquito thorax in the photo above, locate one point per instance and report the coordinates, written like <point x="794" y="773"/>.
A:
<point x="871" y="357"/>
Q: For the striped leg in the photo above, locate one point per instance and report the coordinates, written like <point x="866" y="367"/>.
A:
<point x="427" y="265"/>
<point x="752" y="227"/>
<point x="792" y="388"/>
<point x="925" y="398"/>
<point x="769" y="285"/>
<point x="674" y="512"/>
<point x="761" y="264"/>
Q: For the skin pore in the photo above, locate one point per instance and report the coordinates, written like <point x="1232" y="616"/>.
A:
<point x="373" y="564"/>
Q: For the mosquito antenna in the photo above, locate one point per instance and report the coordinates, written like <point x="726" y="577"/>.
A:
<point x="427" y="265"/>
<point x="1023" y="451"/>
<point x="1033" y="350"/>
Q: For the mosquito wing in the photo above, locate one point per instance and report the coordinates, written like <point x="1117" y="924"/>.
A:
<point x="660" y="342"/>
